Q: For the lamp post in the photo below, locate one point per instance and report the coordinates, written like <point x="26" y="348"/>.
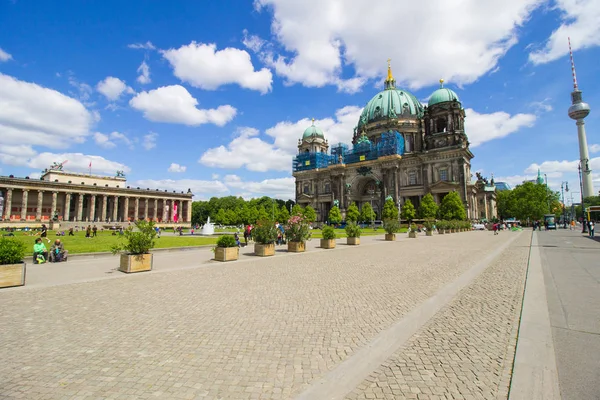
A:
<point x="573" y="215"/>
<point x="583" y="214"/>
<point x="371" y="193"/>
<point x="564" y="186"/>
<point x="547" y="198"/>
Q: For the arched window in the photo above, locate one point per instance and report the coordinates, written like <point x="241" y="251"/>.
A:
<point x="441" y="124"/>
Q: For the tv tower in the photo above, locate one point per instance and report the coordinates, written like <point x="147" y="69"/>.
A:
<point x="578" y="111"/>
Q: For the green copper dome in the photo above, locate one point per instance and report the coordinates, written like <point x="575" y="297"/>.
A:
<point x="313" y="131"/>
<point x="442" y="95"/>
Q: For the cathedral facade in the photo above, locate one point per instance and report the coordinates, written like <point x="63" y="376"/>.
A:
<point x="400" y="150"/>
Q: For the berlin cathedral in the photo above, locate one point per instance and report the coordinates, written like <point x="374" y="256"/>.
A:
<point x="400" y="149"/>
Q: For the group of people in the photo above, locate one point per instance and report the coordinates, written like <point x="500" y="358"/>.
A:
<point x="41" y="255"/>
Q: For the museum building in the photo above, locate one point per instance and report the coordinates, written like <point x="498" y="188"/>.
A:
<point x="401" y="149"/>
<point x="65" y="197"/>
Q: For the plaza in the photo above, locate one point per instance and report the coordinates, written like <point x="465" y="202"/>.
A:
<point x="402" y="322"/>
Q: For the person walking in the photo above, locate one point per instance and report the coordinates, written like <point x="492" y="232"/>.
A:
<point x="591" y="228"/>
<point x="94" y="231"/>
<point x="495" y="229"/>
<point x="88" y="232"/>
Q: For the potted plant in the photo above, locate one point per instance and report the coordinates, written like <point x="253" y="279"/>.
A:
<point x="413" y="231"/>
<point x="297" y="232"/>
<point x="328" y="241"/>
<point x="12" y="265"/>
<point x="428" y="224"/>
<point x="135" y="251"/>
<point x="227" y="249"/>
<point x="264" y="234"/>
<point x="391" y="226"/>
<point x="353" y="234"/>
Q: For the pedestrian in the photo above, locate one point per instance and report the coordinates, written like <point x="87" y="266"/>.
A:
<point x="495" y="229"/>
<point x="88" y="232"/>
<point x="71" y="232"/>
<point x="591" y="228"/>
<point x="246" y="236"/>
<point x="237" y="239"/>
<point x="44" y="233"/>
<point x="94" y="231"/>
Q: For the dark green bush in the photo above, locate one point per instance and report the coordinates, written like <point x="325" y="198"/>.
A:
<point x="353" y="230"/>
<point x="391" y="226"/>
<point x="328" y="233"/>
<point x="264" y="232"/>
<point x="12" y="251"/>
<point x="138" y="241"/>
<point x="226" y="241"/>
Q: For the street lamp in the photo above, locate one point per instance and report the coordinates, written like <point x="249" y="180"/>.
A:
<point x="583" y="214"/>
<point x="371" y="193"/>
<point x="547" y="198"/>
<point x="573" y="215"/>
<point x="564" y="186"/>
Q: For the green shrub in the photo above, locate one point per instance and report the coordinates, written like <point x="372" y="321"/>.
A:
<point x="413" y="227"/>
<point x="353" y="230"/>
<point x="391" y="226"/>
<point x="226" y="241"/>
<point x="264" y="232"/>
<point x="11" y="251"/>
<point x="138" y="241"/>
<point x="328" y="233"/>
<point x="428" y="224"/>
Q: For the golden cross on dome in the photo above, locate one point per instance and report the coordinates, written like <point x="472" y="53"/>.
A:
<point x="390" y="77"/>
<point x="313" y="122"/>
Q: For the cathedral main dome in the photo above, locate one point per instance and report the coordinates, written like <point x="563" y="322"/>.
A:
<point x="391" y="103"/>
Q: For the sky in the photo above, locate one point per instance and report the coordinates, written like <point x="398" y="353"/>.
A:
<point x="214" y="95"/>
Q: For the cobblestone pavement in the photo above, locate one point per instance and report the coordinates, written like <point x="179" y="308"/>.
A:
<point x="263" y="328"/>
<point x="467" y="350"/>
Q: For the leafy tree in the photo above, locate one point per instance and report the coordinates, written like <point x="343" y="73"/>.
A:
<point x="352" y="213"/>
<point x="335" y="216"/>
<point x="428" y="209"/>
<point x="297" y="210"/>
<point x="366" y="213"/>
<point x="263" y="214"/>
<point x="505" y="201"/>
<point x="408" y="210"/>
<point x="283" y="215"/>
<point x="533" y="200"/>
<point x="390" y="211"/>
<point x="310" y="214"/>
<point x="587" y="202"/>
<point x="221" y="217"/>
<point x="452" y="207"/>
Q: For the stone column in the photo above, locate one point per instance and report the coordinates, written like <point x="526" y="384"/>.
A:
<point x="396" y="191"/>
<point x="179" y="211"/>
<point x="165" y="211"/>
<point x="53" y="208"/>
<point x="40" y="202"/>
<point x="136" y="211"/>
<point x="8" y="204"/>
<point x="126" y="209"/>
<point x="80" y="207"/>
<point x="67" y="206"/>
<point x="146" y="209"/>
<point x="92" y="207"/>
<point x="104" y="206"/>
<point x="155" y="213"/>
<point x="115" y="213"/>
<point x="189" y="211"/>
<point x="24" y="205"/>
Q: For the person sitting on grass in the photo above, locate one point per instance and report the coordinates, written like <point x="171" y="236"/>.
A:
<point x="58" y="252"/>
<point x="40" y="253"/>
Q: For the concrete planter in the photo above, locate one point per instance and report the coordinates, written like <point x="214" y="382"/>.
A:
<point x="412" y="235"/>
<point x="135" y="263"/>
<point x="353" y="241"/>
<point x="296" y="247"/>
<point x="390" y="237"/>
<point x="264" y="250"/>
<point x="328" y="243"/>
<point x="441" y="231"/>
<point x="227" y="253"/>
<point x="429" y="233"/>
<point x="12" y="275"/>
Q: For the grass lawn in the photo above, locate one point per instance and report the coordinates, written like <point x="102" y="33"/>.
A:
<point x="103" y="242"/>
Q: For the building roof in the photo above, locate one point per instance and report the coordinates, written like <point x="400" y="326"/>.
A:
<point x="442" y="95"/>
<point x="313" y="131"/>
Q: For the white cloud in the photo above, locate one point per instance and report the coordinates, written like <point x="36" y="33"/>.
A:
<point x="33" y="115"/>
<point x="579" y="21"/>
<point x="594" y="148"/>
<point x="205" y="67"/>
<point x="253" y="42"/>
<point x="84" y="91"/>
<point x="4" y="56"/>
<point x="248" y="151"/>
<point x="175" y="104"/>
<point x="319" y="37"/>
<point x="281" y="188"/>
<point x="215" y="176"/>
<point x="481" y="128"/>
<point x="150" y="140"/>
<point x="109" y="141"/>
<point x="112" y="88"/>
<point x="200" y="188"/>
<point x="145" y="46"/>
<point x="541" y="106"/>
<point x="103" y="140"/>
<point x="144" y="71"/>
<point x="177" y="168"/>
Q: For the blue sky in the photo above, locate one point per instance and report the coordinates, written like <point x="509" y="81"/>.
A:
<point x="213" y="96"/>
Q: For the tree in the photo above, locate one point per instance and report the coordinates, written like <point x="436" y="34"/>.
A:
<point x="283" y="215"/>
<point x="366" y="213"/>
<point x="335" y="216"/>
<point x="505" y="201"/>
<point x="390" y="211"/>
<point x="263" y="215"/>
<point x="408" y="210"/>
<point x="310" y="214"/>
<point x="297" y="210"/>
<point x="533" y="200"/>
<point x="452" y="207"/>
<point x="352" y="213"/>
<point x="428" y="209"/>
<point x="221" y="217"/>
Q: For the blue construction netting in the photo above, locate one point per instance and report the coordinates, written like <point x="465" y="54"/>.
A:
<point x="390" y="143"/>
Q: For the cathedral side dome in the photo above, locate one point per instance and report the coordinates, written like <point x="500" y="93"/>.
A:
<point x="391" y="103"/>
<point x="442" y="95"/>
<point x="313" y="131"/>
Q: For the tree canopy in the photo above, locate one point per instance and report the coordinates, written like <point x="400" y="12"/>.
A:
<point x="428" y="209"/>
<point x="408" y="210"/>
<point x="310" y="214"/>
<point x="352" y="213"/>
<point x="335" y="216"/>
<point x="528" y="201"/>
<point x="452" y="207"/>
<point x="390" y="211"/>
<point x="236" y="210"/>
<point x="366" y="213"/>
